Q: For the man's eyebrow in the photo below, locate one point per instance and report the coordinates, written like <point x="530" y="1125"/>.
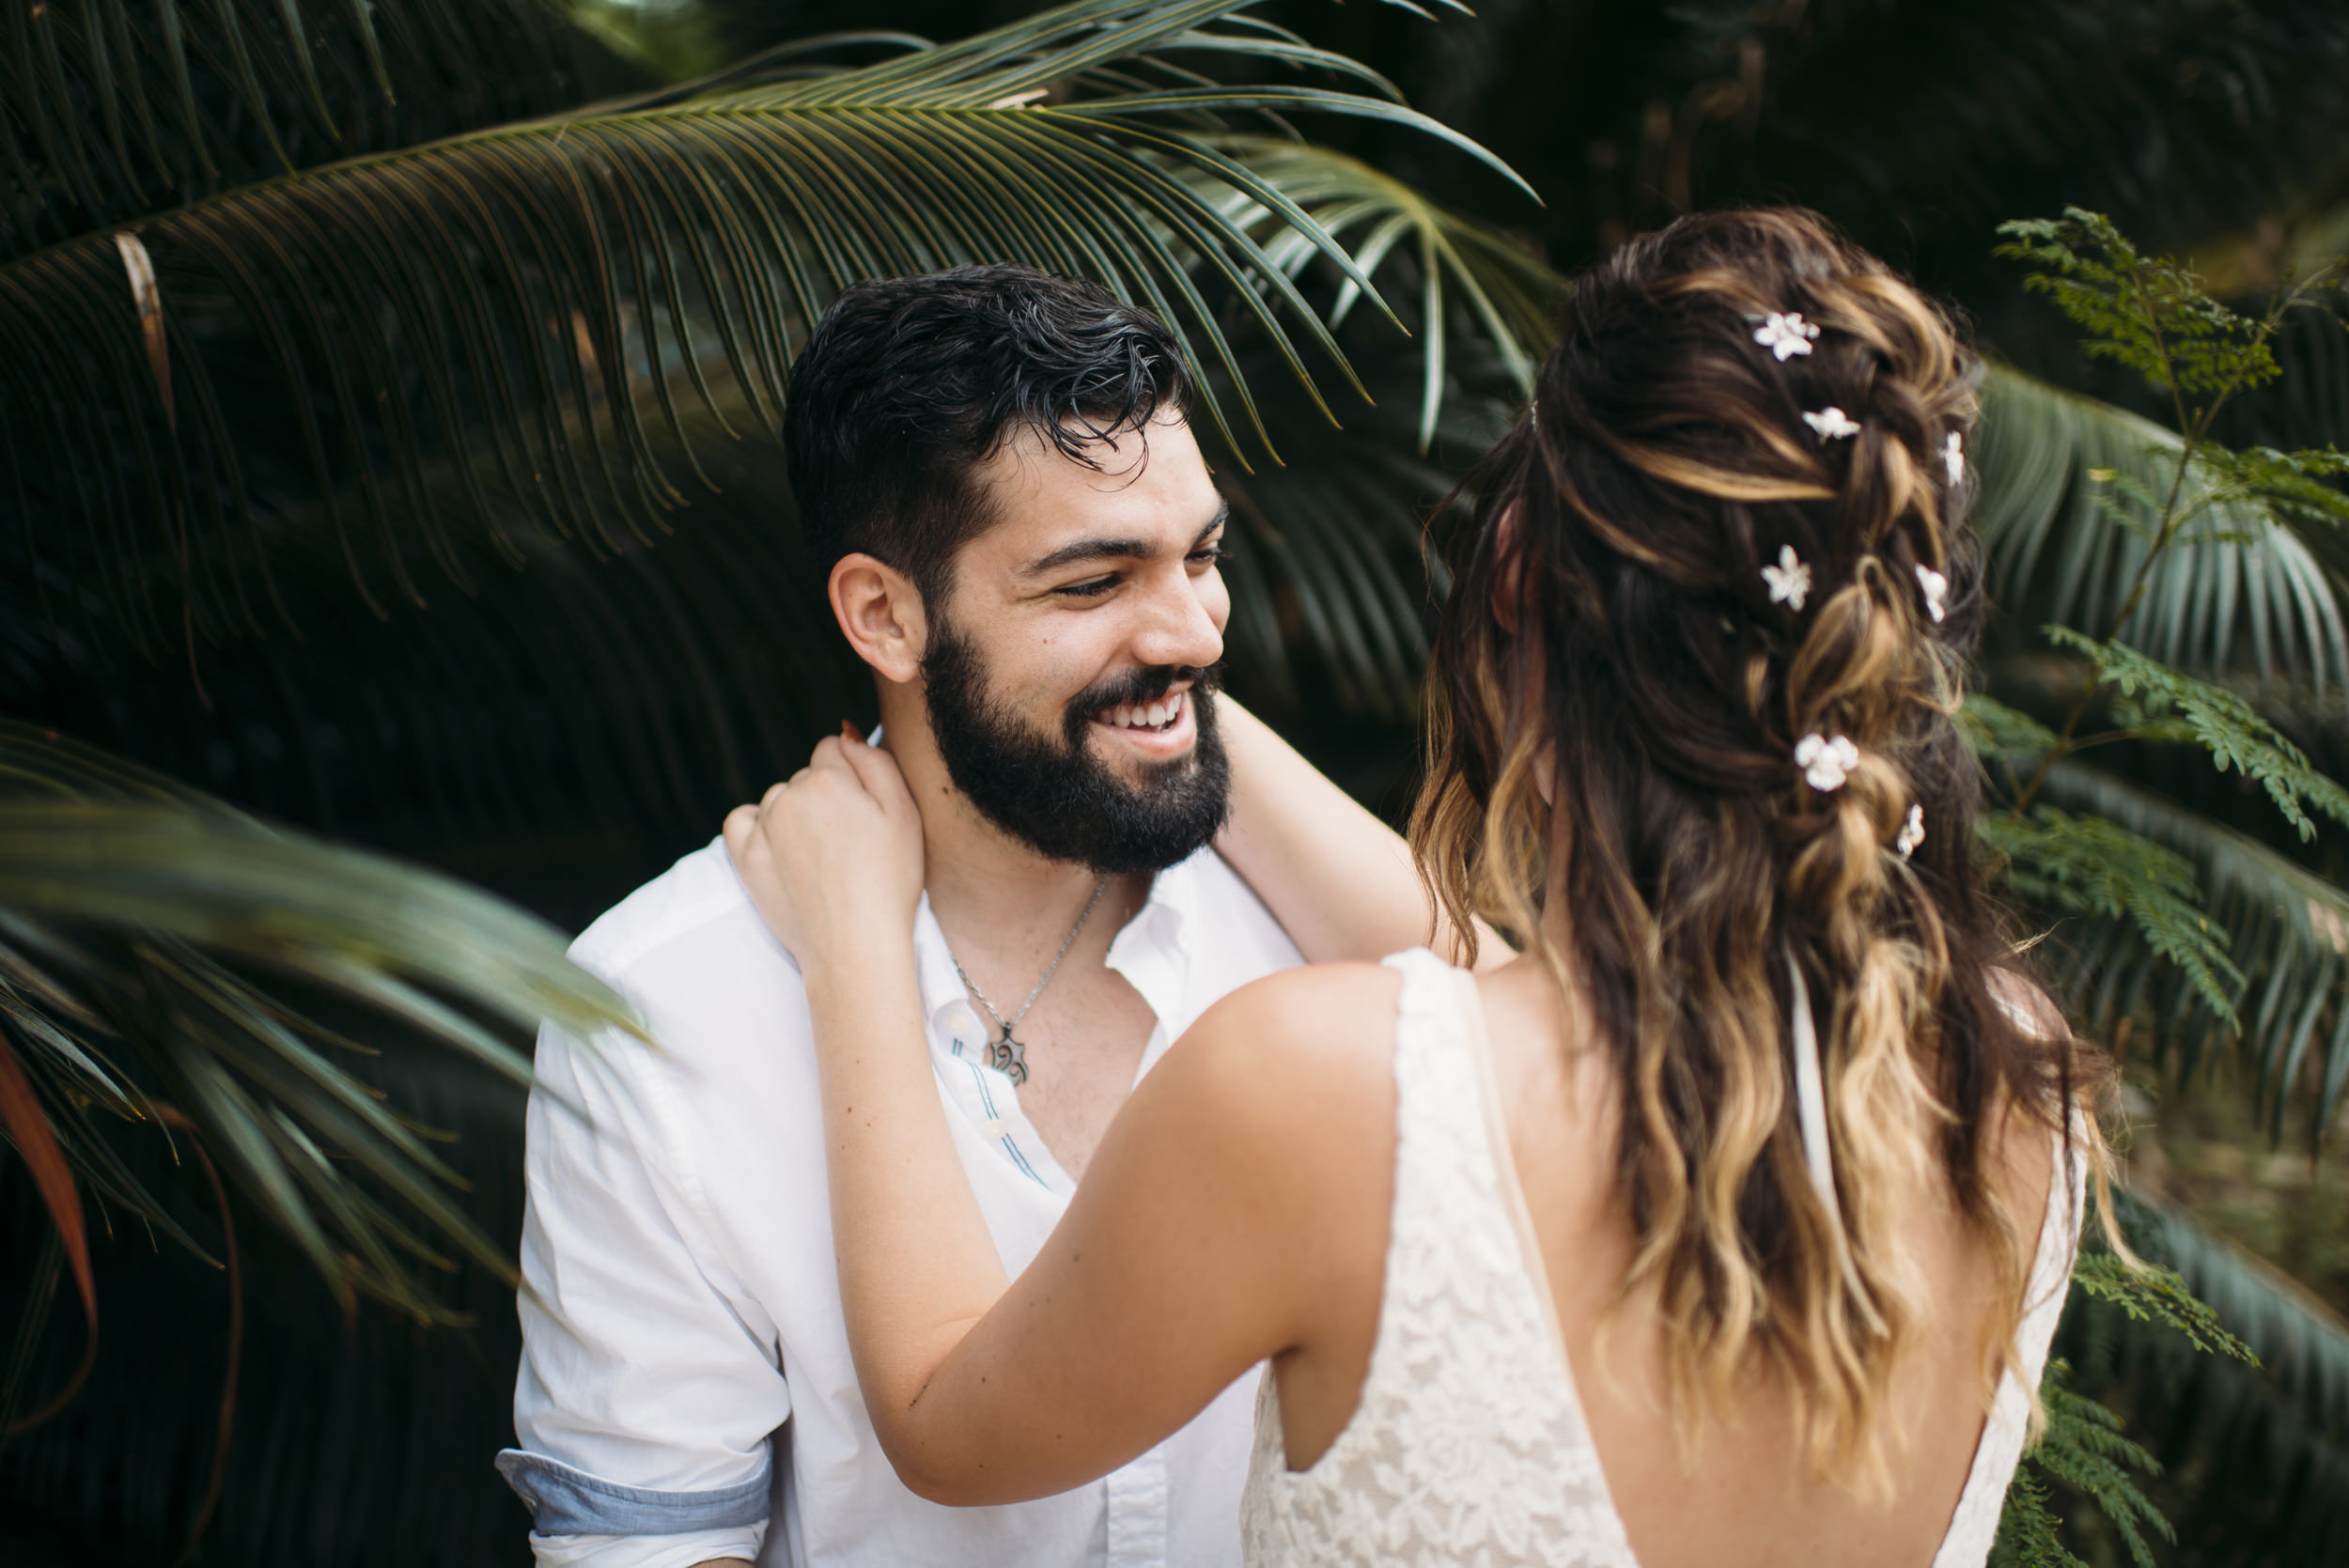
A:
<point x="1119" y="549"/>
<point x="1093" y="549"/>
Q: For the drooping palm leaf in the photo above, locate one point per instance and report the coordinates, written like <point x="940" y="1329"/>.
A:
<point x="2265" y="1448"/>
<point x="110" y="109"/>
<point x="531" y="301"/>
<point x="2064" y="542"/>
<point x="2287" y="927"/>
<point x="149" y="938"/>
<point x="1508" y="297"/>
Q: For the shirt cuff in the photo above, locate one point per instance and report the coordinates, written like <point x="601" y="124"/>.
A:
<point x="566" y="1501"/>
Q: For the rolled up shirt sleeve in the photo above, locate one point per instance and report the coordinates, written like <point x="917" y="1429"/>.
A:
<point x="649" y="1387"/>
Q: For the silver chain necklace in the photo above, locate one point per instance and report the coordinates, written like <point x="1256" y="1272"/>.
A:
<point x="1006" y="1054"/>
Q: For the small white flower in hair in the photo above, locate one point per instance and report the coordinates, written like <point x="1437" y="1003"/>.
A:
<point x="1832" y="423"/>
<point x="1954" y="456"/>
<point x="1789" y="580"/>
<point x="1824" y="762"/>
<point x="1912" y="833"/>
<point x="1786" y="334"/>
<point x="1936" y="589"/>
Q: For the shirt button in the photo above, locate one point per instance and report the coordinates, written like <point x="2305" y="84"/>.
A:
<point x="995" y="1127"/>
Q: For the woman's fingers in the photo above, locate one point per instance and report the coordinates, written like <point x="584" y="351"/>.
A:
<point x="879" y="774"/>
<point x="741" y="822"/>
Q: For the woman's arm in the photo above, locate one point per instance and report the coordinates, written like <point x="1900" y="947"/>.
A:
<point x="1339" y="880"/>
<point x="1234" y="1206"/>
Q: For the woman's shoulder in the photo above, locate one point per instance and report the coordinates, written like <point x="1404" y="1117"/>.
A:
<point x="1301" y="1059"/>
<point x="1313" y="1020"/>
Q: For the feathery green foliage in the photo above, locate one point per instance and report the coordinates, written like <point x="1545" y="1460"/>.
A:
<point x="2149" y="1293"/>
<point x="2141" y="927"/>
<point x="2147" y="313"/>
<point x="2083" y="1447"/>
<point x="2160" y="704"/>
<point x="2086" y="866"/>
<point x="2152" y="316"/>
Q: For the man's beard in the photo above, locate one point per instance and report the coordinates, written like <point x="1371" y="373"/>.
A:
<point x="1054" y="795"/>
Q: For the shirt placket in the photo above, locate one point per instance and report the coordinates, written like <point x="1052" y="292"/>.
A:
<point x="1147" y="952"/>
<point x="959" y="1051"/>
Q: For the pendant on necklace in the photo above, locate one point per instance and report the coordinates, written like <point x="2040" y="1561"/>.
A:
<point x="1009" y="1056"/>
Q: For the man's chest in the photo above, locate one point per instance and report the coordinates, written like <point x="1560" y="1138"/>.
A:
<point x="1084" y="1045"/>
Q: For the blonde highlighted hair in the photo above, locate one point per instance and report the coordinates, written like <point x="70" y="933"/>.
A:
<point x="1611" y="643"/>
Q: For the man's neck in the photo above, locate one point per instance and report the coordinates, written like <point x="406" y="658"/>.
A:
<point x="987" y="887"/>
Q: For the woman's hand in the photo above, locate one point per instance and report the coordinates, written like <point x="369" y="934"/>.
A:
<point x="833" y="857"/>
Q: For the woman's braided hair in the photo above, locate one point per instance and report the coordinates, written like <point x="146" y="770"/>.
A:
<point x="1616" y="702"/>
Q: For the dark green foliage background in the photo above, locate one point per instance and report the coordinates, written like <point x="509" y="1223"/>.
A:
<point x="560" y="733"/>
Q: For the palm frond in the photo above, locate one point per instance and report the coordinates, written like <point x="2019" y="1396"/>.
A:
<point x="533" y="303"/>
<point x="158" y="948"/>
<point x="358" y="1440"/>
<point x="1466" y="268"/>
<point x="2286" y="926"/>
<point x="2264" y="1448"/>
<point x="2066" y="536"/>
<point x="109" y="110"/>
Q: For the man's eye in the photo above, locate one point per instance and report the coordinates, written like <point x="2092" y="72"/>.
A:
<point x="1209" y="556"/>
<point x="1094" y="588"/>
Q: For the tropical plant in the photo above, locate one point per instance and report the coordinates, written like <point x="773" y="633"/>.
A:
<point x="257" y="353"/>
<point x="432" y="506"/>
<point x="2129" y="921"/>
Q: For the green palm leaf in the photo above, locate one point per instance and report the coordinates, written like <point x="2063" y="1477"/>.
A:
<point x="109" y="110"/>
<point x="159" y="948"/>
<point x="2265" y="1448"/>
<point x="1506" y="296"/>
<point x="2064" y="542"/>
<point x="532" y="302"/>
<point x="2286" y="927"/>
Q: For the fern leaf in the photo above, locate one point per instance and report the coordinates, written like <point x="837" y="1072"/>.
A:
<point x="2085" y="866"/>
<point x="2222" y="723"/>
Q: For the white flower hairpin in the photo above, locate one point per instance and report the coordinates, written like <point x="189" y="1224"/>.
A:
<point x="1789" y="580"/>
<point x="1784" y="334"/>
<point x="1832" y="423"/>
<point x="1824" y="762"/>
<point x="1954" y="456"/>
<point x="1936" y="589"/>
<point x="1912" y="833"/>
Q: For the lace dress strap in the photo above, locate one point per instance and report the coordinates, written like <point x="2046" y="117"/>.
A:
<point x="1468" y="1444"/>
<point x="1975" y="1523"/>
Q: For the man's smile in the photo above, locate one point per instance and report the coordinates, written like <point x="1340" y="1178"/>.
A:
<point x="1156" y="730"/>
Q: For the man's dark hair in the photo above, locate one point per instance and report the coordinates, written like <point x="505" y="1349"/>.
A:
<point x="905" y="386"/>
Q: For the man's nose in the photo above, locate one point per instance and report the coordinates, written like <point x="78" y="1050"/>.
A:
<point x="1181" y="626"/>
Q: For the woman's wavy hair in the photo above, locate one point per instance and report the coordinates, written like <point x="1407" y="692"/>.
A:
<point x="1616" y="701"/>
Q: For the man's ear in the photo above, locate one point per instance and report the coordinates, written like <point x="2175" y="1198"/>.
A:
<point x="882" y="614"/>
<point x="1509" y="566"/>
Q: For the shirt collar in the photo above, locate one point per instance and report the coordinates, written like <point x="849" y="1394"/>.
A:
<point x="944" y="1001"/>
<point x="1152" y="951"/>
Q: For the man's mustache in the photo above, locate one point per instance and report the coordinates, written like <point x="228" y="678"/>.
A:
<point x="1146" y="683"/>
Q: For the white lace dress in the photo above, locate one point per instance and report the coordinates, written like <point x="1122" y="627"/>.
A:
<point x="1469" y="1448"/>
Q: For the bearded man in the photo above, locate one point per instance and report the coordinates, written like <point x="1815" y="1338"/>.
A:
<point x="1022" y="537"/>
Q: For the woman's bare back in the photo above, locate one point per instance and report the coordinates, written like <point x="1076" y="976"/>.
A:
<point x="1743" y="1494"/>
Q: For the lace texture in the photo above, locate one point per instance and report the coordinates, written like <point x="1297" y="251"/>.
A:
<point x="1468" y="1445"/>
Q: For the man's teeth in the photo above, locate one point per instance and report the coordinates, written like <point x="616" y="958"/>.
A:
<point x="1146" y="716"/>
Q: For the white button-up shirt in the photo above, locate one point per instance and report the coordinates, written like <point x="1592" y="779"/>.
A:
<point x="685" y="1391"/>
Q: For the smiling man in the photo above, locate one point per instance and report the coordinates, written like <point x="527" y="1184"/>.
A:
<point x="1021" y="538"/>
